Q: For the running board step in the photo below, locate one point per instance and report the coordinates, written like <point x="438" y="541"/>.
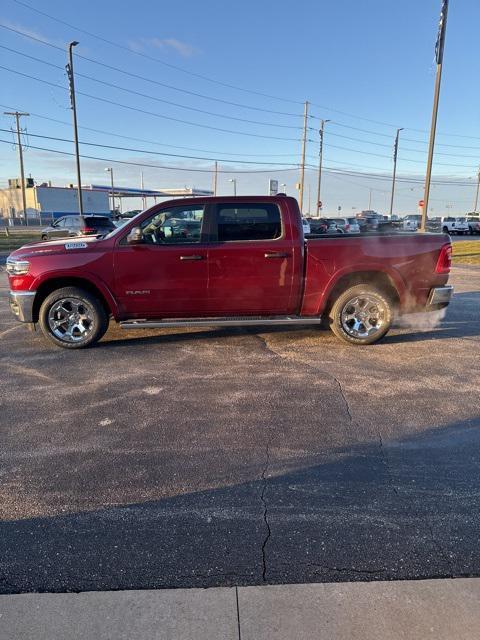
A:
<point x="217" y="322"/>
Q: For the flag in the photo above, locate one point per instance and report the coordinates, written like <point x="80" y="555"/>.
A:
<point x="442" y="25"/>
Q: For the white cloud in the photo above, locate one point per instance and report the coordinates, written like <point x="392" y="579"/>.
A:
<point x="27" y="31"/>
<point x="182" y="48"/>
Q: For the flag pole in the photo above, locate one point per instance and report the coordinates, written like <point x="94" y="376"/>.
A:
<point x="442" y="27"/>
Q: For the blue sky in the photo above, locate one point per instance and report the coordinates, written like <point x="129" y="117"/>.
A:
<point x="367" y="66"/>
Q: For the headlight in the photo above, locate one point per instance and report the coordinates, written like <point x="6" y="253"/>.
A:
<point x="17" y="267"/>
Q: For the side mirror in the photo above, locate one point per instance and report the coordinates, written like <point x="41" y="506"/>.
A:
<point x="135" y="236"/>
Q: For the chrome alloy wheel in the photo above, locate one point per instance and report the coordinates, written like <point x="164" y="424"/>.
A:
<point x="363" y="316"/>
<point x="71" y="319"/>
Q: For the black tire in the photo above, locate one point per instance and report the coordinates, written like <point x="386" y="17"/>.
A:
<point x="376" y="316"/>
<point x="72" y="318"/>
<point x="445" y="229"/>
<point x="44" y="237"/>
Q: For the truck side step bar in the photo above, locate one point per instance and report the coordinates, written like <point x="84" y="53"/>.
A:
<point x="217" y="322"/>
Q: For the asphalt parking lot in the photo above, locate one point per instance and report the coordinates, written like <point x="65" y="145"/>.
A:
<point x="218" y="457"/>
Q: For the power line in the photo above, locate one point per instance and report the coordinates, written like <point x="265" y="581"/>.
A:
<point x="151" y="113"/>
<point x="154" y="166"/>
<point x="231" y="103"/>
<point x="148" y="57"/>
<point x="145" y="95"/>
<point x="252" y="171"/>
<point x="108" y="84"/>
<point x="156" y="153"/>
<point x="155" y="143"/>
<point x="151" y="80"/>
<point x="137" y="109"/>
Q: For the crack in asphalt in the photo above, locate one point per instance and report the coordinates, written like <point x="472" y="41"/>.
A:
<point x="265" y="510"/>
<point x="275" y="354"/>
<point x="386" y="463"/>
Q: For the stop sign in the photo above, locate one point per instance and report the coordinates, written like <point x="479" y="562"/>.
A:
<point x="421" y="203"/>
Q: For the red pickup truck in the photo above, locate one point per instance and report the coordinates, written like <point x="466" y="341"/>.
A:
<point x="226" y="261"/>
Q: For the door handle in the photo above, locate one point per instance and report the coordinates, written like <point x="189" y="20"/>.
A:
<point x="193" y="257"/>
<point x="277" y="255"/>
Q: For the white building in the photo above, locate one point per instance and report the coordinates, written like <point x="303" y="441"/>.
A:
<point x="47" y="201"/>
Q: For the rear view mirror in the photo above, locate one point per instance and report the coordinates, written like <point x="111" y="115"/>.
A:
<point x="135" y="236"/>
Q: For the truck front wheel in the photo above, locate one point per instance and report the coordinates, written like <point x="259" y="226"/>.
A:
<point x="361" y="315"/>
<point x="72" y="318"/>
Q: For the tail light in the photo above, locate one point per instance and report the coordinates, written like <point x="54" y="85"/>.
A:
<point x="444" y="262"/>
<point x="88" y="230"/>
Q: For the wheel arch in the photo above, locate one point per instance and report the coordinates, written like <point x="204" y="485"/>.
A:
<point x="52" y="284"/>
<point x="379" y="279"/>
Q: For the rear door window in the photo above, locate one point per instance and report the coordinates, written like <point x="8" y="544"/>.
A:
<point x="96" y="223"/>
<point x="248" y="222"/>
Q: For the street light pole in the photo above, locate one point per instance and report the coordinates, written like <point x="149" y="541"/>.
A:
<point x="110" y="170"/>
<point x="144" y="197"/>
<point x="234" y="180"/>
<point x="395" y="153"/>
<point x="73" y="103"/>
<point x="17" y="115"/>
<point x="320" y="163"/>
<point x="215" y="178"/>
<point x="304" y="150"/>
<point x="439" y="46"/>
<point x="475" y="203"/>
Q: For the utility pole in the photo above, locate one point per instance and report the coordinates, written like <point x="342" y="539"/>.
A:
<point x="475" y="202"/>
<point x="320" y="162"/>
<point x="395" y="153"/>
<point x="17" y="115"/>
<point x="71" y="80"/>
<point x="110" y="170"/>
<point x="439" y="46"/>
<point x="215" y="177"/>
<point x="144" y="197"/>
<point x="304" y="149"/>
<point x="369" y="199"/>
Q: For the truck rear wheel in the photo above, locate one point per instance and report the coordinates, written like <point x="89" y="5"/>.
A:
<point x="72" y="318"/>
<point x="361" y="315"/>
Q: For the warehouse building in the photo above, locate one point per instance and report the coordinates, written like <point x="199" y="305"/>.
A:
<point x="45" y="201"/>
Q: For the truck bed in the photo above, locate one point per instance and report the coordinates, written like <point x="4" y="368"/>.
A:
<point x="407" y="260"/>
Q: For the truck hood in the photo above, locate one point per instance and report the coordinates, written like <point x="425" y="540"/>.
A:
<point x="52" y="247"/>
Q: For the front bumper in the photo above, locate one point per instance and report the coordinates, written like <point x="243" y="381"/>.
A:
<point x="439" y="297"/>
<point x="21" y="305"/>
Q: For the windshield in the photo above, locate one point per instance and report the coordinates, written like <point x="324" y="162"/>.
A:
<point x="116" y="230"/>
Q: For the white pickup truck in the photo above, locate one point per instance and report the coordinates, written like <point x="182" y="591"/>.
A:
<point x="452" y="225"/>
<point x="473" y="221"/>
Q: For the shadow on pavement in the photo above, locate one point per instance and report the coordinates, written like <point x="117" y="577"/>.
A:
<point x="423" y="327"/>
<point x="383" y="510"/>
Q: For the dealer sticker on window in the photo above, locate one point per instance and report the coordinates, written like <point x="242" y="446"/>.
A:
<point x="76" y="245"/>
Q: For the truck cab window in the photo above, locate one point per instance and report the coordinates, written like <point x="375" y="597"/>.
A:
<point x="248" y="222"/>
<point x="178" y="225"/>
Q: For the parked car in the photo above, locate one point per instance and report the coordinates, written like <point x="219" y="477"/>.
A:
<point x="76" y="225"/>
<point x="306" y="226"/>
<point x="249" y="264"/>
<point x="458" y="226"/>
<point x="473" y="220"/>
<point x="351" y="225"/>
<point x="318" y="225"/>
<point x="412" y="222"/>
